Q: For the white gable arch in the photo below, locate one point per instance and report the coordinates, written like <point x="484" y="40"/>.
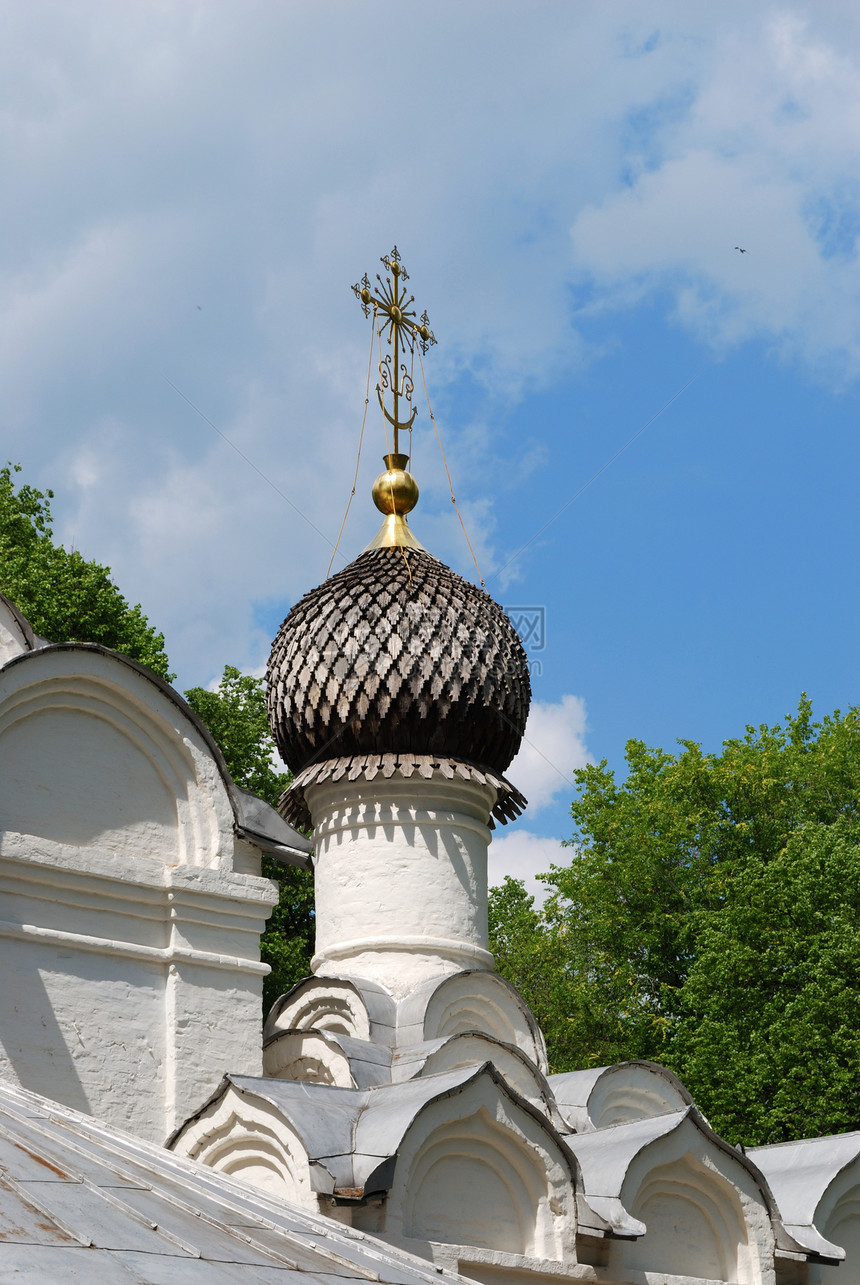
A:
<point x="250" y="1142"/>
<point x="473" y="1048"/>
<point x="308" y="1055"/>
<point x="481" y="1001"/>
<point x="695" y="1224"/>
<point x="96" y="753"/>
<point x="477" y="1170"/>
<point x="600" y="1097"/>
<point x="16" y="636"/>
<point x="704" y="1212"/>
<point x="471" y="1185"/>
<point x="320" y="1004"/>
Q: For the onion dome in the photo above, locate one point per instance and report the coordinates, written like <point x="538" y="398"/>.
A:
<point x="397" y="654"/>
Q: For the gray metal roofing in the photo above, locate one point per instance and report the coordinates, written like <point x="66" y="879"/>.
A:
<point x="799" y="1174"/>
<point x="80" y="1201"/>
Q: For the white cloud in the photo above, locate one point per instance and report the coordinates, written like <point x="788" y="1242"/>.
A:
<point x="524" y="855"/>
<point x="553" y="746"/>
<point x="763" y="156"/>
<point x="189" y="190"/>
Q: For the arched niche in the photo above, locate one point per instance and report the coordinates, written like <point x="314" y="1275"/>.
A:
<point x="704" y="1212"/>
<point x="245" y="1141"/>
<point x="474" y="1048"/>
<point x="474" y="1169"/>
<point x="94" y="752"/>
<point x="484" y="1002"/>
<point x="312" y="1056"/>
<point x="321" y="1004"/>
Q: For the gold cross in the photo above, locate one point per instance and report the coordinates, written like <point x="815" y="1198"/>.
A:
<point x="401" y="327"/>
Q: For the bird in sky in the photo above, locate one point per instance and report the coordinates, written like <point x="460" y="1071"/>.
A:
<point x="737" y="247"/>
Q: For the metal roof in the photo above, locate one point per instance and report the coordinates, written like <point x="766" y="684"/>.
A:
<point x="80" y="1201"/>
<point x="799" y="1174"/>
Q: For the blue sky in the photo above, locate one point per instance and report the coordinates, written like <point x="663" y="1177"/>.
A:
<point x="191" y="189"/>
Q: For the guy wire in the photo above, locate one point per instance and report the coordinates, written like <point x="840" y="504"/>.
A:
<point x="379" y="368"/>
<point x="447" y="470"/>
<point x="358" y="455"/>
<point x="412" y="382"/>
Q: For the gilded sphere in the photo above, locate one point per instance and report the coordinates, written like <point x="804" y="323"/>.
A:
<point x="395" y="491"/>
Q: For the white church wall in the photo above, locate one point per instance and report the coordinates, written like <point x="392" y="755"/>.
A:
<point x="400" y="877"/>
<point x="87" y="1055"/>
<point x="129" y="921"/>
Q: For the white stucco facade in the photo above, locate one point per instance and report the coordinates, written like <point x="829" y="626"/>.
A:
<point x="400" y="877"/>
<point x="132" y="902"/>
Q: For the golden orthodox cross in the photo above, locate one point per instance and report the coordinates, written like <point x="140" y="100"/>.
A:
<point x="401" y="327"/>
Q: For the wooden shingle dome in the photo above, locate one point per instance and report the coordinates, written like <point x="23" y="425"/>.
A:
<point x="397" y="654"/>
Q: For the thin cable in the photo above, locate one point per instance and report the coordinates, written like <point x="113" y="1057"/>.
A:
<point x="267" y="480"/>
<point x="381" y="400"/>
<point x="594" y="478"/>
<point x="445" y="462"/>
<point x="358" y="455"/>
<point x="411" y="418"/>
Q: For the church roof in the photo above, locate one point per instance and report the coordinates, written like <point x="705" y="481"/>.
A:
<point x="397" y="654"/>
<point x="80" y="1201"/>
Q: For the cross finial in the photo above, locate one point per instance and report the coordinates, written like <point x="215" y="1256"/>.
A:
<point x="400" y="325"/>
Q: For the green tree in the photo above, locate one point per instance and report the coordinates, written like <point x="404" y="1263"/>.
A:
<point x="64" y="595"/>
<point x="769" y="1037"/>
<point x="660" y="926"/>
<point x="236" y="716"/>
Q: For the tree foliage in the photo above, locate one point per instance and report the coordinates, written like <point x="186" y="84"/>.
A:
<point x="236" y="716"/>
<point x="64" y="595"/>
<point x="706" y="921"/>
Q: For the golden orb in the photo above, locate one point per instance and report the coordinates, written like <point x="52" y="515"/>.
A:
<point x="395" y="490"/>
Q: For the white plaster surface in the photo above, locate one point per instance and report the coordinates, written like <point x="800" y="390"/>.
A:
<point x="129" y="927"/>
<point x="401" y="878"/>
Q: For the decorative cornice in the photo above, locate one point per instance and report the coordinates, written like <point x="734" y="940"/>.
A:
<point x="294" y="808"/>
